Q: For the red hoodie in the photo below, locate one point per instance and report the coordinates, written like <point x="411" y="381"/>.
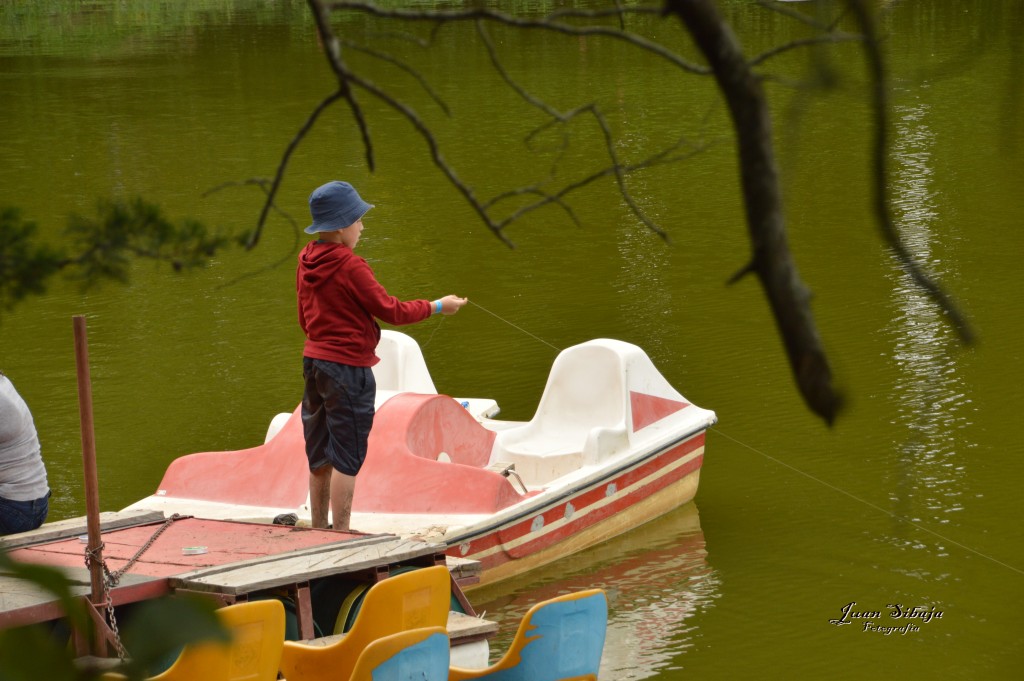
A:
<point x="339" y="302"/>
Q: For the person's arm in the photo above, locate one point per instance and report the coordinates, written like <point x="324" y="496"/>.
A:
<point x="379" y="303"/>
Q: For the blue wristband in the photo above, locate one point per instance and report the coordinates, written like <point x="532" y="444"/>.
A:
<point x="437" y="306"/>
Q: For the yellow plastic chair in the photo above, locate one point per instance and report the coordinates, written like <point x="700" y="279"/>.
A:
<point x="257" y="637"/>
<point x="412" y="600"/>
<point x="561" y="639"/>
<point x="199" y="662"/>
<point x="254" y="654"/>
<point x="414" y="655"/>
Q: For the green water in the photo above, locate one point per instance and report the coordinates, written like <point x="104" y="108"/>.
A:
<point x="911" y="498"/>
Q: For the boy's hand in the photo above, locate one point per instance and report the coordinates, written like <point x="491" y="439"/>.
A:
<point x="452" y="304"/>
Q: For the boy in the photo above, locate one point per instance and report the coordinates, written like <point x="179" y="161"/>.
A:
<point x="339" y="302"/>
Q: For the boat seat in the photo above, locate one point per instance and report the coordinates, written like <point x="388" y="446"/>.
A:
<point x="411" y="600"/>
<point x="257" y="630"/>
<point x="427" y="454"/>
<point x="580" y="420"/>
<point x="602" y="398"/>
<point x="416" y="655"/>
<point x="401" y="367"/>
<point x="560" y="639"/>
<point x="274" y="474"/>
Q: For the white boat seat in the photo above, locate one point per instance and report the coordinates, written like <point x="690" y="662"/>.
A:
<point x="603" y="399"/>
<point x="401" y="367"/>
<point x="581" y="418"/>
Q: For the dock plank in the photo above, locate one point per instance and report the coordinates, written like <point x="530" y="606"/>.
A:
<point x="462" y="627"/>
<point x="73" y="527"/>
<point x="464" y="569"/>
<point x="331" y="560"/>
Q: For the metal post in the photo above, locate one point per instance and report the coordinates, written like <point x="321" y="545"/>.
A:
<point x="92" y="492"/>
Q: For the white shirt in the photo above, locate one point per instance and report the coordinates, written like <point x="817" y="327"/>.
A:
<point x="22" y="473"/>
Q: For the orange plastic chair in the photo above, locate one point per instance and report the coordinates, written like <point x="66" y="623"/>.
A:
<point x="412" y="600"/>
<point x="254" y="654"/>
<point x="414" y="655"/>
<point x="558" y="640"/>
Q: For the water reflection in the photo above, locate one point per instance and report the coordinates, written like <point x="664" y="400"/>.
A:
<point x="656" y="579"/>
<point x="929" y="390"/>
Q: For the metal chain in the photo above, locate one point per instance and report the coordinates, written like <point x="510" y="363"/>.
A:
<point x="111" y="579"/>
<point x="115" y="577"/>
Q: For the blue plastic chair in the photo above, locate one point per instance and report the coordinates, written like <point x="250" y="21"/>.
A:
<point x="411" y="600"/>
<point x="557" y="640"/>
<point x="414" y="655"/>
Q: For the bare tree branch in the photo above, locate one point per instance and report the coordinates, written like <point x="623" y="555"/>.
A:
<point x="485" y="38"/>
<point x="880" y="176"/>
<point x="546" y="199"/>
<point x="594" y="111"/>
<point x="346" y="79"/>
<point x="264" y="185"/>
<point x="254" y="237"/>
<point x="404" y="67"/>
<point x="435" y="152"/>
<point x="806" y="42"/>
<point x="549" y="23"/>
<point x="332" y="49"/>
<point x="771" y="259"/>
<point x="661" y="158"/>
<point x="742" y="89"/>
<point x="774" y="6"/>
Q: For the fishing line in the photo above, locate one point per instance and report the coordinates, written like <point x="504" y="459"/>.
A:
<point x="436" y="327"/>
<point x="878" y="508"/>
<point x="515" y="327"/>
<point x="824" y="483"/>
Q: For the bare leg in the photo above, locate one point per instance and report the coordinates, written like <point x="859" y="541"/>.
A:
<point x="342" y="488"/>
<point x="320" y="495"/>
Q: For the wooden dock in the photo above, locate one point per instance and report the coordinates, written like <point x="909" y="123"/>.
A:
<point x="226" y="560"/>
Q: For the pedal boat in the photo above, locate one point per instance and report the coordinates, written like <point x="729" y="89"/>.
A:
<point x="611" y="446"/>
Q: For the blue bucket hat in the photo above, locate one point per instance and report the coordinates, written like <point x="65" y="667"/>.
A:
<point x="334" y="206"/>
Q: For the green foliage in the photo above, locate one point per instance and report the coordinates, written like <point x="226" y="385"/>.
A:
<point x="49" y="579"/>
<point x="155" y="632"/>
<point x="24" y="266"/>
<point x="159" y="629"/>
<point x="101" y="247"/>
<point x="34" y="653"/>
<point x="106" y="244"/>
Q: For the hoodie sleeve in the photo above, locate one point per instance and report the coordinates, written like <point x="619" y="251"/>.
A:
<point x="376" y="300"/>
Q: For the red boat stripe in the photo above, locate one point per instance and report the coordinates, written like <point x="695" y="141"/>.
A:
<point x="598" y="493"/>
<point x="592" y="505"/>
<point x="495" y="556"/>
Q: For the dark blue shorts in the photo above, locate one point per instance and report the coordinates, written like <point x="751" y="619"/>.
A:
<point x="337" y="413"/>
<point x="22" y="516"/>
